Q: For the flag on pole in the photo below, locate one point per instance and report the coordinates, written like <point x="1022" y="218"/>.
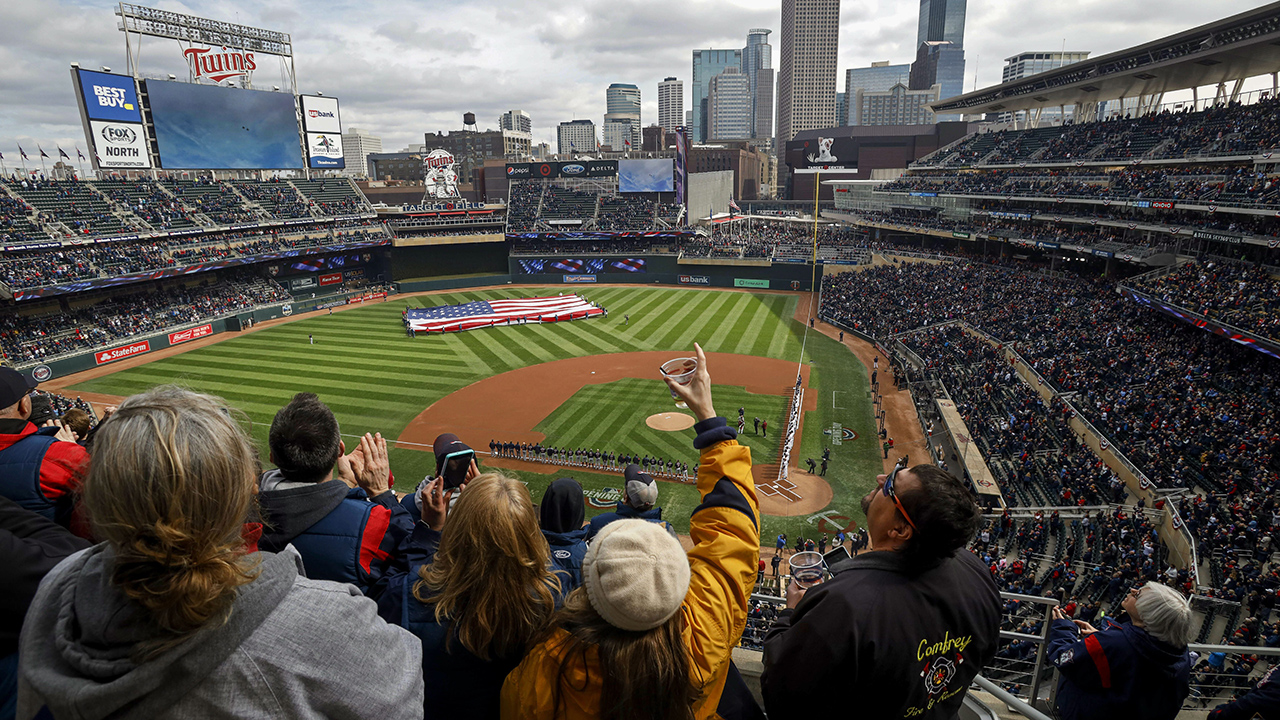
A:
<point x="467" y="316"/>
<point x="79" y="154"/>
<point x="734" y="205"/>
<point x="62" y="153"/>
<point x="43" y="154"/>
<point x="23" y="153"/>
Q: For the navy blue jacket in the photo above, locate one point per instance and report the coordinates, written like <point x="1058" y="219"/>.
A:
<point x="457" y="684"/>
<point x="341" y="535"/>
<point x="1263" y="700"/>
<point x="623" y="511"/>
<point x="567" y="551"/>
<point x="1120" y="672"/>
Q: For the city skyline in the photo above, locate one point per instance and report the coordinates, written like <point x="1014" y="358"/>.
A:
<point x="403" y="69"/>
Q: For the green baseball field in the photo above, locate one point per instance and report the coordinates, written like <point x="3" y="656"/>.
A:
<point x="375" y="378"/>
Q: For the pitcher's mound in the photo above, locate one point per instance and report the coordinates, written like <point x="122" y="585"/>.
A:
<point x="671" y="421"/>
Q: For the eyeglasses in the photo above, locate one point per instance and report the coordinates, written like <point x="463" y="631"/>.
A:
<point x="889" y="493"/>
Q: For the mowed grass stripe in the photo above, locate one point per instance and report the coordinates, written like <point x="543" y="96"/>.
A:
<point x="652" y="315"/>
<point x="739" y="311"/>
<point x="742" y="331"/>
<point x="661" y="320"/>
<point x="697" y="323"/>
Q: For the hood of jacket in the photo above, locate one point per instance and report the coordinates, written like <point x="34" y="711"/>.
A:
<point x="1157" y="653"/>
<point x="563" y="509"/>
<point x="289" y="509"/>
<point x="81" y="635"/>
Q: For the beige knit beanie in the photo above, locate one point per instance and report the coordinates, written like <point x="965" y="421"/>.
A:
<point x="636" y="574"/>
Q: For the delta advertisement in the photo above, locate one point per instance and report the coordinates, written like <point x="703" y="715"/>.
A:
<point x="190" y="334"/>
<point x="552" y="170"/>
<point x="120" y="353"/>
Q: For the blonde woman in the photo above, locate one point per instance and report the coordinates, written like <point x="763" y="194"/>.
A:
<point x="479" y="586"/>
<point x="172" y="617"/>
<point x="650" y="633"/>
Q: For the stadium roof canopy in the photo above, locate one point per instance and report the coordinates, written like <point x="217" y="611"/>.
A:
<point x="1224" y="51"/>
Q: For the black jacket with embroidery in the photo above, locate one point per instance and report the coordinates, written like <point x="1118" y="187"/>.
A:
<point x="880" y="639"/>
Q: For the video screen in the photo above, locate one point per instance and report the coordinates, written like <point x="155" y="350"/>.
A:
<point x="333" y="262"/>
<point x="202" y="127"/>
<point x="646" y="176"/>
<point x="593" y="266"/>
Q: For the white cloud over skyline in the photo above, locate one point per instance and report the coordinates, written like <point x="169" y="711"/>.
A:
<point x="404" y="68"/>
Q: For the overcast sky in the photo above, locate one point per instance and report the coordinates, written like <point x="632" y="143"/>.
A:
<point x="409" y="66"/>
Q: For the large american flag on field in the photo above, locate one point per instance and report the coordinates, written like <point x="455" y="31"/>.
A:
<point x="453" y="318"/>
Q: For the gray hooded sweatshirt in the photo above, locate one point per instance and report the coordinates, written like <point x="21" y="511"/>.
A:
<point x="291" y="648"/>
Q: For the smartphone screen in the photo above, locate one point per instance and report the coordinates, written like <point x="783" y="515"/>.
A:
<point x="455" y="468"/>
<point x="835" y="555"/>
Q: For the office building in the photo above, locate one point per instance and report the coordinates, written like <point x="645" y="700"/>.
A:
<point x="895" y="106"/>
<point x="622" y="106"/>
<point x="881" y="76"/>
<point x="1030" y="63"/>
<point x="940" y="49"/>
<point x="576" y="136"/>
<point x="757" y="63"/>
<point x="517" y="120"/>
<point x="749" y="166"/>
<point x="939" y="63"/>
<point x="941" y="21"/>
<point x="807" y="67"/>
<point x="541" y="152"/>
<point x="357" y="144"/>
<point x="402" y="167"/>
<point x="616" y="134"/>
<point x="706" y="65"/>
<point x="729" y="106"/>
<point x="671" y="103"/>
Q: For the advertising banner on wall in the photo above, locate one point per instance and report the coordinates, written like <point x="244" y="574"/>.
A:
<point x="302" y="283"/>
<point x="750" y="283"/>
<point x="119" y="145"/>
<point x="553" y="170"/>
<point x="324" y="150"/>
<point x="331" y="279"/>
<point x="120" y="353"/>
<point x="320" y="114"/>
<point x="190" y="334"/>
<point x="694" y="280"/>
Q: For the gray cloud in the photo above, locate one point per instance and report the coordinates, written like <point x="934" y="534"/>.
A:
<point x="404" y="68"/>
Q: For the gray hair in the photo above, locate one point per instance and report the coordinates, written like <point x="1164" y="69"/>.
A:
<point x="1165" y="614"/>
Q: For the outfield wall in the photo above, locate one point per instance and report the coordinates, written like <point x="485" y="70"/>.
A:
<point x="671" y="270"/>
<point x="152" y="342"/>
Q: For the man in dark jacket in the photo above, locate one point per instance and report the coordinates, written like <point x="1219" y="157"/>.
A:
<point x="903" y="629"/>
<point x="337" y="510"/>
<point x="39" y="470"/>
<point x="560" y="516"/>
<point x="1138" y="670"/>
<point x="639" y="495"/>
<point x="30" y="545"/>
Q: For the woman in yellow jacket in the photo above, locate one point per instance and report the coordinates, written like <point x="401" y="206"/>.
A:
<point x="651" y="631"/>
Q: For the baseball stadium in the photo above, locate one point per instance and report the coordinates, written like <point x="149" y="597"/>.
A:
<point x="1073" y="328"/>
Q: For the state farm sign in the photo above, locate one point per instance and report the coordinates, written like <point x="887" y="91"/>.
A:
<point x="190" y="334"/>
<point x="331" y="279"/>
<point x="123" y="352"/>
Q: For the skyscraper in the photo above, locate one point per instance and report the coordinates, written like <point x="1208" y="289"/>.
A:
<point x="671" y="103"/>
<point x="622" y="105"/>
<point x="940" y="49"/>
<point x="729" y="106"/>
<point x="941" y="21"/>
<point x="807" y="68"/>
<point x="357" y="144"/>
<point x="757" y="63"/>
<point x="706" y="65"/>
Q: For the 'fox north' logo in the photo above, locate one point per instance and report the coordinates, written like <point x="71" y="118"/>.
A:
<point x="119" y="134"/>
<point x="218" y="66"/>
